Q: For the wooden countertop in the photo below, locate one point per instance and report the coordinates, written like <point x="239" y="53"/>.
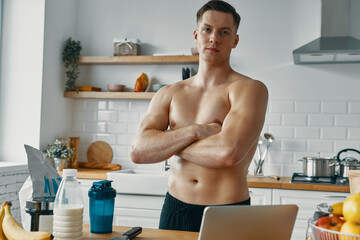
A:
<point x="259" y="182"/>
<point x="284" y="183"/>
<point x="147" y="233"/>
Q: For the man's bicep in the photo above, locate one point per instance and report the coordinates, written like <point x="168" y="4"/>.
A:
<point x="244" y="122"/>
<point x="157" y="116"/>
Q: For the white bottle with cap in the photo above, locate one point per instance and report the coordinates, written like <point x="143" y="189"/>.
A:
<point x="68" y="208"/>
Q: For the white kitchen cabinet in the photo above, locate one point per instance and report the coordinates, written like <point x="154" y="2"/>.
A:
<point x="307" y="202"/>
<point x="260" y="196"/>
<point x="138" y="210"/>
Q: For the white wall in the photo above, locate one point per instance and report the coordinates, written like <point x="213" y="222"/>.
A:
<point x="312" y="108"/>
<point x="56" y="111"/>
<point x="21" y="77"/>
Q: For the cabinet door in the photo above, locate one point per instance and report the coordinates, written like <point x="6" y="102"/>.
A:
<point x="260" y="196"/>
<point x="307" y="202"/>
<point x="136" y="217"/>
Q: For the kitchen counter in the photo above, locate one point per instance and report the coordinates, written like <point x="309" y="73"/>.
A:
<point x="147" y="233"/>
<point x="259" y="182"/>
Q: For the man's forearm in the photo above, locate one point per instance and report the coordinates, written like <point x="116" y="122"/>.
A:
<point x="151" y="145"/>
<point x="209" y="152"/>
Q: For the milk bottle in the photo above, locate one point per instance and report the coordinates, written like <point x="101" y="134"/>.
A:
<point x="68" y="208"/>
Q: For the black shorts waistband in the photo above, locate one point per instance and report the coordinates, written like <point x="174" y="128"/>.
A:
<point x="176" y="203"/>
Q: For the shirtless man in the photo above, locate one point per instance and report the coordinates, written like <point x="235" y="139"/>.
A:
<point x="209" y="124"/>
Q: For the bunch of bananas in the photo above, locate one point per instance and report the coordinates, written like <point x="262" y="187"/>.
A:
<point x="10" y="229"/>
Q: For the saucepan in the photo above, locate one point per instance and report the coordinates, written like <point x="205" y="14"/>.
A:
<point x="318" y="166"/>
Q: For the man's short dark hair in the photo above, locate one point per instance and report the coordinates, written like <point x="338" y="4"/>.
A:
<point x="219" y="6"/>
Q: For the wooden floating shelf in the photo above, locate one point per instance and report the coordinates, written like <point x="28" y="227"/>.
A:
<point x="109" y="95"/>
<point x="128" y="60"/>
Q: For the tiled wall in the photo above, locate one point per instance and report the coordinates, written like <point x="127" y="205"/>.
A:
<point x="300" y="128"/>
<point x="11" y="180"/>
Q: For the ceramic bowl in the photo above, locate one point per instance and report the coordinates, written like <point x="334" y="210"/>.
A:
<point x="115" y="87"/>
<point x="156" y="87"/>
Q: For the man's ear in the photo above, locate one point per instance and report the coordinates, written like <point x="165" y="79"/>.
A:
<point x="236" y="41"/>
<point x="195" y="35"/>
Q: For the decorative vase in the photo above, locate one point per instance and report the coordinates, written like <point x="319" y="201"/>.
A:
<point x="61" y="163"/>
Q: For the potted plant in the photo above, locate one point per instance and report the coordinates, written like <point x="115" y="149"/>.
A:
<point x="61" y="153"/>
<point x="70" y="57"/>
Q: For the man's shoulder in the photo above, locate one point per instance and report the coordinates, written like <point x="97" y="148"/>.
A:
<point x="242" y="81"/>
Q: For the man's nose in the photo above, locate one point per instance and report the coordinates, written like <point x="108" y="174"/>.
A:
<point x="214" y="38"/>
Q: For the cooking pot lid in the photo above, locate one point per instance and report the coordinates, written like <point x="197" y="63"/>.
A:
<point x="319" y="158"/>
<point x="349" y="159"/>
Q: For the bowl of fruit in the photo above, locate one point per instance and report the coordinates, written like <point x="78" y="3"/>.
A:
<point x="339" y="221"/>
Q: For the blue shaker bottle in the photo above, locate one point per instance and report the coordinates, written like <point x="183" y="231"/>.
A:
<point x="101" y="198"/>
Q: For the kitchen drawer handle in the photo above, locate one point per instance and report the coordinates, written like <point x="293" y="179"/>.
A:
<point x="333" y="196"/>
<point x="250" y="191"/>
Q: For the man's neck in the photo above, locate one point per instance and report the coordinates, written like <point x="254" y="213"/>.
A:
<point x="211" y="74"/>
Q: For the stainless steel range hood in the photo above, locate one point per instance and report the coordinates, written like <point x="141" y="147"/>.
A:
<point x="339" y="41"/>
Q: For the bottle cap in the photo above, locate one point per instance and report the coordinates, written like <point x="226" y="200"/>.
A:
<point x="102" y="189"/>
<point x="69" y="172"/>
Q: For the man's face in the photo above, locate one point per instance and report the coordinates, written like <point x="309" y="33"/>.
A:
<point x="216" y="35"/>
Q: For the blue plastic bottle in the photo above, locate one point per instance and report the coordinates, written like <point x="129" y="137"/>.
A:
<point x="101" y="206"/>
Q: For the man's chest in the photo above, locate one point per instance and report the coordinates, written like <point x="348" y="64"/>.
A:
<point x="197" y="108"/>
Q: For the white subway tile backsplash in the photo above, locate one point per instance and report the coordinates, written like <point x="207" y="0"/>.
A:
<point x="93" y="104"/>
<point x="354" y="107"/>
<point x="117" y="127"/>
<point x="342" y="144"/>
<point x="85" y="116"/>
<point x="123" y="139"/>
<point x="294" y="120"/>
<point x="282" y="132"/>
<point x="281" y="107"/>
<point x="347" y="120"/>
<point x="121" y="151"/>
<point x="354" y="133"/>
<point x="293" y="145"/>
<point x="273" y="119"/>
<point x="323" y="120"/>
<point x="307" y="132"/>
<point x="139" y="105"/>
<point x="334" y="133"/>
<point x="109" y="138"/>
<point x="334" y="107"/>
<point x="80" y="105"/>
<point x="107" y="116"/>
<point x="94" y="127"/>
<point x="118" y="105"/>
<point x="307" y="107"/>
<point x="320" y="146"/>
<point x="128" y="116"/>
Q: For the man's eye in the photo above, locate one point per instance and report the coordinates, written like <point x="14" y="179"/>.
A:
<point x="207" y="29"/>
<point x="224" y="32"/>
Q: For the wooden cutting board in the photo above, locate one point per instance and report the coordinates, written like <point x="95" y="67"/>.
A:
<point x="99" y="152"/>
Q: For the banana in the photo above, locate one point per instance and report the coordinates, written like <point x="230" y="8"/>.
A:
<point x="337" y="209"/>
<point x="14" y="231"/>
<point x="2" y="213"/>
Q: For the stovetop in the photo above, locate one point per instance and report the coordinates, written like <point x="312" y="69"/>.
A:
<point x="336" y="180"/>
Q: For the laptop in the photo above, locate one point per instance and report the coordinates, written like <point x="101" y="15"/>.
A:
<point x="270" y="222"/>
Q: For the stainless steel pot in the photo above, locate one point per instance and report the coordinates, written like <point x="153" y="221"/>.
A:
<point x="318" y="166"/>
<point x="347" y="163"/>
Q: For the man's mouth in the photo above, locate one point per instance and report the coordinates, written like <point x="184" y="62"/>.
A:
<point x="212" y="49"/>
